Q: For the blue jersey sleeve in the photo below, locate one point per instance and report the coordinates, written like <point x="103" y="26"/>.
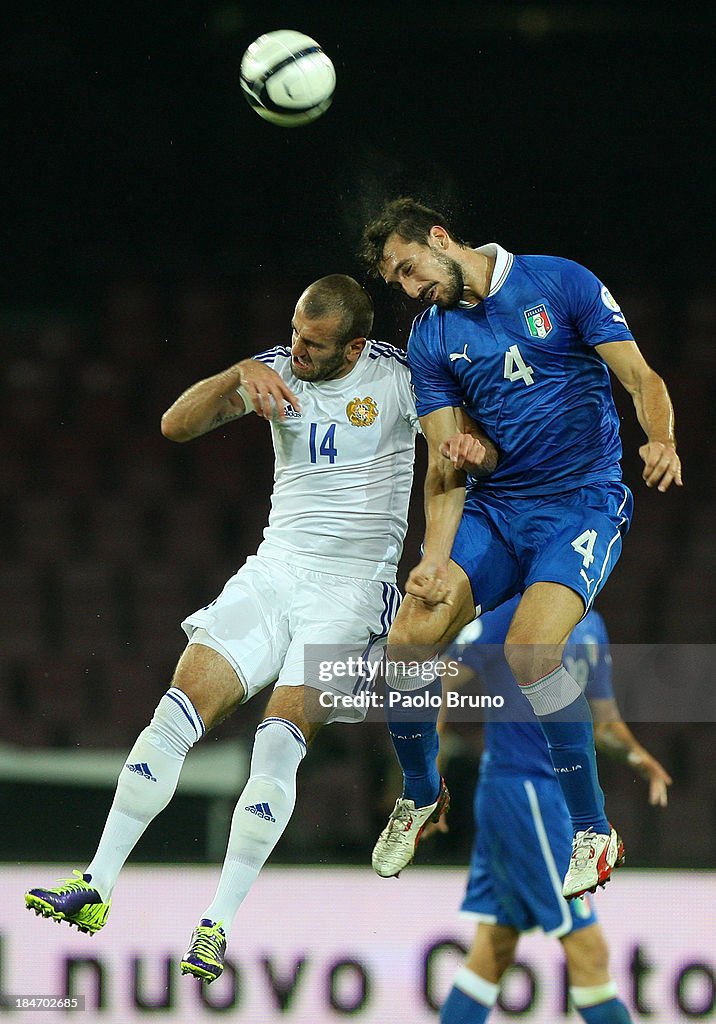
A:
<point x="588" y="659"/>
<point x="593" y="310"/>
<point x="435" y="387"/>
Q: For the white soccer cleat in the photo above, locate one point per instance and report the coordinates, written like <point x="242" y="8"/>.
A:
<point x="399" y="839"/>
<point x="594" y="857"/>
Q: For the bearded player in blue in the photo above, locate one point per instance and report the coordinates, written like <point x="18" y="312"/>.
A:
<point x="524" y="345"/>
<point x="523" y="831"/>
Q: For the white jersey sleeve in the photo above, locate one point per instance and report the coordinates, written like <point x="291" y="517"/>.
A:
<point x="274" y="357"/>
<point x="344" y="467"/>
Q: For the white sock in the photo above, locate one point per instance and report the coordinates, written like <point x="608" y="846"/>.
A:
<point x="146" y="784"/>
<point x="411" y="675"/>
<point x="476" y="987"/>
<point x="592" y="995"/>
<point x="553" y="692"/>
<point x="261" y="815"/>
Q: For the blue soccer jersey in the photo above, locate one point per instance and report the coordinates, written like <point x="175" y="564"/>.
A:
<point x="523" y="364"/>
<point x="513" y="740"/>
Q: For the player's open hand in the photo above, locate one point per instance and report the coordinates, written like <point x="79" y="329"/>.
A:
<point x="428" y="582"/>
<point x="655" y="774"/>
<point x="662" y="465"/>
<point x="464" y="451"/>
<point x="268" y="391"/>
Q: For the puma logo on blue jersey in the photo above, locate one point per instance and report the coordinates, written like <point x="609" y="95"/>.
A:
<point x="454" y="356"/>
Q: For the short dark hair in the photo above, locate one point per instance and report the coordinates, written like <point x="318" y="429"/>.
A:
<point x="340" y="295"/>
<point x="408" y="219"/>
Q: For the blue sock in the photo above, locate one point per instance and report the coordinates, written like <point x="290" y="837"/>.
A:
<point x="570" y="738"/>
<point x="612" y="1012"/>
<point x="470" y="1000"/>
<point x="563" y="712"/>
<point x="415" y="739"/>
<point x="459" y="1008"/>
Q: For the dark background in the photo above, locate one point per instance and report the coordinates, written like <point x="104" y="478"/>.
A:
<point x="155" y="230"/>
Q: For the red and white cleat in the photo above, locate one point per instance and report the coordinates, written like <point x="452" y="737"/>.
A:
<point x="594" y="857"/>
<point x="399" y="839"/>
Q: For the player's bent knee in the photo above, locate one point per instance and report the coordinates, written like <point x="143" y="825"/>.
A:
<point x="530" y="661"/>
<point x="301" y="706"/>
<point x="493" y="951"/>
<point x="419" y="624"/>
<point x="520" y="658"/>
<point x="587" y="953"/>
<point x="210" y="683"/>
<point x="503" y="947"/>
<point x="411" y="625"/>
<point x="502" y="959"/>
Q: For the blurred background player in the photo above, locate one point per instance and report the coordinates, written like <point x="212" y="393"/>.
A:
<point x="524" y="344"/>
<point x="343" y="424"/>
<point x="523" y="840"/>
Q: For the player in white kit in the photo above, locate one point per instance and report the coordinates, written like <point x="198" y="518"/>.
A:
<point x="343" y="423"/>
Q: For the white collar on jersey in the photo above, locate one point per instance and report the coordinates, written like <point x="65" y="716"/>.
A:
<point x="503" y="264"/>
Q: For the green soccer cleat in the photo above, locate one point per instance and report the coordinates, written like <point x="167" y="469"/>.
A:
<point x="205" y="957"/>
<point x="73" y="900"/>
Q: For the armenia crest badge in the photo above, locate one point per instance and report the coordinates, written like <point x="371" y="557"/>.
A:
<point x="362" y="412"/>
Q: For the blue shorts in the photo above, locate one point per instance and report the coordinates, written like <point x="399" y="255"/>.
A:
<point x="506" y="543"/>
<point x="521" y="855"/>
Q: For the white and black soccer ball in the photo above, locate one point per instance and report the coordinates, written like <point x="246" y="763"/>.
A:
<point x="287" y="78"/>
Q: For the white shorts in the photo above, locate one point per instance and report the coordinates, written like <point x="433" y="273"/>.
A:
<point x="268" y="611"/>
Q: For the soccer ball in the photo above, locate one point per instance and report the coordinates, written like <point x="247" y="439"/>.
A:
<point x="287" y="78"/>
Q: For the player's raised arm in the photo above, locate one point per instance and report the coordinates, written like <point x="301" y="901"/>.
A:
<point x="244" y="387"/>
<point x="613" y="736"/>
<point x="654" y="410"/>
<point x="444" y="500"/>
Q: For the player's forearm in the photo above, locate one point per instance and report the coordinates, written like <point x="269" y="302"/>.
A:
<point x="653" y="408"/>
<point x="618" y="741"/>
<point x="204" y="406"/>
<point x="444" y="502"/>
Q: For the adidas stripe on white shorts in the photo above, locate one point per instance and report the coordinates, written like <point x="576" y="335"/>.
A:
<point x="268" y="611"/>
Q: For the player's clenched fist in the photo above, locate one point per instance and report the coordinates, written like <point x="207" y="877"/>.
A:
<point x="428" y="583"/>
<point x="266" y="390"/>
<point x="465" y="452"/>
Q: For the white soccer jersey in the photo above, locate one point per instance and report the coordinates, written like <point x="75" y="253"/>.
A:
<point x="344" y="467"/>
